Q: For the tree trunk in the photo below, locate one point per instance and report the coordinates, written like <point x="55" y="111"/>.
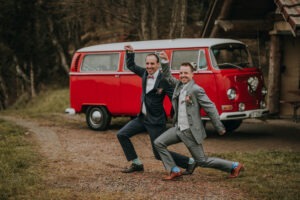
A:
<point x="178" y="19"/>
<point x="173" y="19"/>
<point x="154" y="19"/>
<point x="32" y="87"/>
<point x="3" y="94"/>
<point x="274" y="75"/>
<point x="20" y="71"/>
<point x="144" y="35"/>
<point x="60" y="51"/>
<point x="183" y="15"/>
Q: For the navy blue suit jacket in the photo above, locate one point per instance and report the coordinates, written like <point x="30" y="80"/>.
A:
<point x="154" y="99"/>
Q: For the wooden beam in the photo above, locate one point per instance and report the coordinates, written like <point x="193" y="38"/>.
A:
<point x="282" y="28"/>
<point x="225" y="11"/>
<point x="274" y="75"/>
<point x="244" y="25"/>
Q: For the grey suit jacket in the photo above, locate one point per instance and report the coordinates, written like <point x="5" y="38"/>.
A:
<point x="198" y="99"/>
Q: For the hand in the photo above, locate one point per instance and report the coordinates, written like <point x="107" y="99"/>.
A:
<point x="128" y="48"/>
<point x="222" y="132"/>
<point x="163" y="55"/>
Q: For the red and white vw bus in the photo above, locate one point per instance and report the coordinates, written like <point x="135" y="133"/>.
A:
<point x="102" y="87"/>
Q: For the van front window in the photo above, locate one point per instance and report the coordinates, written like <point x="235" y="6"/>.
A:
<point x="194" y="56"/>
<point x="228" y="56"/>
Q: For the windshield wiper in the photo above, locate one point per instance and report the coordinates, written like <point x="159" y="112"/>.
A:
<point x="243" y="64"/>
<point x="231" y="64"/>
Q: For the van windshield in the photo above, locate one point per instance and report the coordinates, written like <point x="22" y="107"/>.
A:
<point x="229" y="56"/>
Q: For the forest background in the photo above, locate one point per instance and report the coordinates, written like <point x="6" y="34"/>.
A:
<point x="38" y="38"/>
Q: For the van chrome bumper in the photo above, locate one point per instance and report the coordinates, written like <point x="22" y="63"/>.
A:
<point x="70" y="111"/>
<point x="244" y="114"/>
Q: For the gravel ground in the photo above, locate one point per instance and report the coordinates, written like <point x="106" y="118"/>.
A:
<point x="89" y="162"/>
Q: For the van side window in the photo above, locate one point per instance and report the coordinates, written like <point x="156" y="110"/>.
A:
<point x="182" y="56"/>
<point x="100" y="62"/>
<point x="202" y="60"/>
<point x="139" y="58"/>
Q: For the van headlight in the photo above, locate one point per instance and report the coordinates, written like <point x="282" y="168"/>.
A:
<point x="231" y="94"/>
<point x="252" y="84"/>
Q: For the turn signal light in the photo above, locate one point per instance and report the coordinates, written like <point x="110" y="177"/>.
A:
<point x="227" y="107"/>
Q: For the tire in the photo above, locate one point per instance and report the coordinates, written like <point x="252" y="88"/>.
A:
<point x="232" y="125"/>
<point x="204" y="123"/>
<point x="97" y="118"/>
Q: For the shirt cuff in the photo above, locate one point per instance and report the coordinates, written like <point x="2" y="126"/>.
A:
<point x="164" y="61"/>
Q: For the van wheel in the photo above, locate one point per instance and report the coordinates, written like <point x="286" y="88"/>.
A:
<point x="231" y="125"/>
<point x="97" y="118"/>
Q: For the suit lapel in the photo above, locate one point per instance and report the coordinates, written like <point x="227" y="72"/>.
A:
<point x="189" y="87"/>
<point x="144" y="79"/>
<point x="157" y="80"/>
<point x="177" y="90"/>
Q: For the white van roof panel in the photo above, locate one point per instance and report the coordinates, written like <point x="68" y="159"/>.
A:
<point x="159" y="44"/>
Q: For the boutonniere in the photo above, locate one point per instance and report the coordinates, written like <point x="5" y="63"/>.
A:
<point x="188" y="100"/>
<point x="159" y="90"/>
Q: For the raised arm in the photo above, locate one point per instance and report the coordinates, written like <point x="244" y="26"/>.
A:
<point x="130" y="61"/>
<point x="166" y="69"/>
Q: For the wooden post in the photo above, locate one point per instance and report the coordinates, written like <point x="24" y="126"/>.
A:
<point x="225" y="11"/>
<point x="274" y="75"/>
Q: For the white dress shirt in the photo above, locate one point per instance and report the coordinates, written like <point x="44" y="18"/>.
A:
<point x="149" y="86"/>
<point x="183" y="122"/>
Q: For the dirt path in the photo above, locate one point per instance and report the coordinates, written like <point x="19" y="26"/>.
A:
<point x="87" y="164"/>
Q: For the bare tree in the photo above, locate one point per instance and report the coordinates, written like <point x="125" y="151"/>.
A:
<point x="178" y="19"/>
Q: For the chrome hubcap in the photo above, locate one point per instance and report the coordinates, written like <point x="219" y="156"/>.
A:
<point x="96" y="117"/>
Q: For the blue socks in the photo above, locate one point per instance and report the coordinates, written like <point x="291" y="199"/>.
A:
<point x="137" y="161"/>
<point x="234" y="165"/>
<point x="191" y="160"/>
<point x="175" y="169"/>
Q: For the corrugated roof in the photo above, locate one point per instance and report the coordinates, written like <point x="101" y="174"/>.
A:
<point x="290" y="9"/>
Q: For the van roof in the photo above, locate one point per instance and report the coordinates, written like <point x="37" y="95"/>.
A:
<point x="160" y="44"/>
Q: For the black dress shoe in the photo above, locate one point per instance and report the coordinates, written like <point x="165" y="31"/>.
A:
<point x="190" y="169"/>
<point x="134" y="168"/>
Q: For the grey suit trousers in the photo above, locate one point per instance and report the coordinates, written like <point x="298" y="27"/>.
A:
<point x="173" y="136"/>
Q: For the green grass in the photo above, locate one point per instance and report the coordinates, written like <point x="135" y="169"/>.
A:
<point x="18" y="174"/>
<point x="268" y="174"/>
<point x="47" y="102"/>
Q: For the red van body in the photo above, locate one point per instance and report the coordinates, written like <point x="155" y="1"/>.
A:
<point x="102" y="87"/>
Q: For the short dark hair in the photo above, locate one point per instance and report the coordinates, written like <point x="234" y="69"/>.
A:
<point x="187" y="64"/>
<point x="153" y="54"/>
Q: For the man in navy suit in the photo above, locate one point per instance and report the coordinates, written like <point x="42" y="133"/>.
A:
<point x="152" y="117"/>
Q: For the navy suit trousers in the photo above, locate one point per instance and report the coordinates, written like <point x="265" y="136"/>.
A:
<point x="137" y="126"/>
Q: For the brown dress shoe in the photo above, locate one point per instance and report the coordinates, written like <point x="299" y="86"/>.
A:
<point x="173" y="176"/>
<point x="134" y="168"/>
<point x="236" y="171"/>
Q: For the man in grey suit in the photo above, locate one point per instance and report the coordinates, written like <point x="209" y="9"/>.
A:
<point x="188" y="128"/>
